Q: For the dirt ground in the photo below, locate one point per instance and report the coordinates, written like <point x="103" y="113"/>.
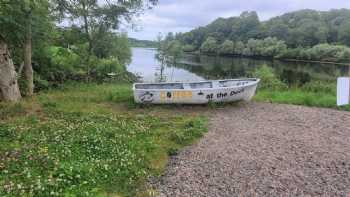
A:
<point x="261" y="149"/>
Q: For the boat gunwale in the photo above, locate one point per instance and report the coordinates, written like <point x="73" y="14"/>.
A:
<point x="254" y="81"/>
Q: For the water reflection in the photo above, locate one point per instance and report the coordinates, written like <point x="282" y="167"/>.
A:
<point x="211" y="67"/>
<point x="196" y="68"/>
<point x="150" y="69"/>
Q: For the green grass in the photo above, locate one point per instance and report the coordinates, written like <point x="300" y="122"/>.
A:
<point x="88" y="140"/>
<point x="314" y="93"/>
<point x="300" y="97"/>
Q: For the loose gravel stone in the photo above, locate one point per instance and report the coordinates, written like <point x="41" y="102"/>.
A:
<point x="261" y="149"/>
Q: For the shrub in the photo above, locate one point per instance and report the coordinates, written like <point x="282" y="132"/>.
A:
<point x="188" y="48"/>
<point x="102" y="67"/>
<point x="209" y="46"/>
<point x="174" y="50"/>
<point x="227" y="47"/>
<point x="268" y="79"/>
<point x="40" y="84"/>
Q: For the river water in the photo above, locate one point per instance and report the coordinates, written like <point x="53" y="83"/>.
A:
<point x="200" y="67"/>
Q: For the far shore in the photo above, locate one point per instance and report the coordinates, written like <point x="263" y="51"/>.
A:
<point x="270" y="58"/>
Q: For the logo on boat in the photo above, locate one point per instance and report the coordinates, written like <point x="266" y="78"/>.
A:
<point x="146" y="97"/>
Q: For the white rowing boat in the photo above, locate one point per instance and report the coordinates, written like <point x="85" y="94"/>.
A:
<point x="195" y="92"/>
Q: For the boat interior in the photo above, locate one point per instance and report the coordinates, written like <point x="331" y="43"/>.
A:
<point x="194" y="85"/>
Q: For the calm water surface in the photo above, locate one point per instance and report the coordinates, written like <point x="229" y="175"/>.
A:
<point x="145" y="65"/>
<point x="199" y="67"/>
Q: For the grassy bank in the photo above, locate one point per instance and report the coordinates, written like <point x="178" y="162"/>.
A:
<point x="313" y="94"/>
<point x="299" y="97"/>
<point x="88" y="140"/>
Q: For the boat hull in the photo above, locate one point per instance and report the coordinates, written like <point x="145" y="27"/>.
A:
<point x="195" y="96"/>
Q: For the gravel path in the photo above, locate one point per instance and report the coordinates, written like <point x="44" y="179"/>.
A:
<point x="260" y="149"/>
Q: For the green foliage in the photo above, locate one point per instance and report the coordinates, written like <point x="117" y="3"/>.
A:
<point x="328" y="87"/>
<point x="344" y="33"/>
<point x="314" y="95"/>
<point x="142" y="43"/>
<point x="98" y="20"/>
<point x="61" y="64"/>
<point x="302" y="35"/>
<point x="13" y="21"/>
<point x="269" y="47"/>
<point x="169" y="49"/>
<point x="227" y="47"/>
<point x="14" y="17"/>
<point x="40" y="84"/>
<point x="69" y="63"/>
<point x="298" y="97"/>
<point x="9" y="110"/>
<point x="209" y="46"/>
<point x="239" y="48"/>
<point x="321" y="52"/>
<point x="269" y="81"/>
<point x="246" y="26"/>
<point x="82" y="142"/>
<point x="174" y="49"/>
<point x="110" y="45"/>
<point x="101" y="15"/>
<point x="189" y="48"/>
<point x="88" y="47"/>
<point x="102" y="67"/>
<point x="192" y="130"/>
<point x="274" y="48"/>
<point x="124" y="94"/>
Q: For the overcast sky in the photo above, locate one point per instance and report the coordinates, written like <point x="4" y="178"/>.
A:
<point x="184" y="15"/>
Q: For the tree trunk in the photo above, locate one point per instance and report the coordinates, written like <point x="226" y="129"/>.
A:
<point x="9" y="90"/>
<point x="28" y="70"/>
<point x="86" y="27"/>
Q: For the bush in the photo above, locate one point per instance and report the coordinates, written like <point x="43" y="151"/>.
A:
<point x="227" y="48"/>
<point x="239" y="48"/>
<point x="320" y="52"/>
<point x="40" y="84"/>
<point x="174" y="49"/>
<point x="268" y="79"/>
<point x="210" y="46"/>
<point x="188" y="48"/>
<point x="268" y="47"/>
<point x="102" y="67"/>
<point x="61" y="64"/>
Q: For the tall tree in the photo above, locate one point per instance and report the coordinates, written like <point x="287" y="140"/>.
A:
<point x="16" y="19"/>
<point x="27" y="56"/>
<point x="94" y="16"/>
<point x="9" y="90"/>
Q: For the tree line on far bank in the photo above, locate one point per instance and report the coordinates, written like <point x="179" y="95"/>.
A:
<point x="38" y="52"/>
<point x="302" y="35"/>
<point x="142" y="43"/>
